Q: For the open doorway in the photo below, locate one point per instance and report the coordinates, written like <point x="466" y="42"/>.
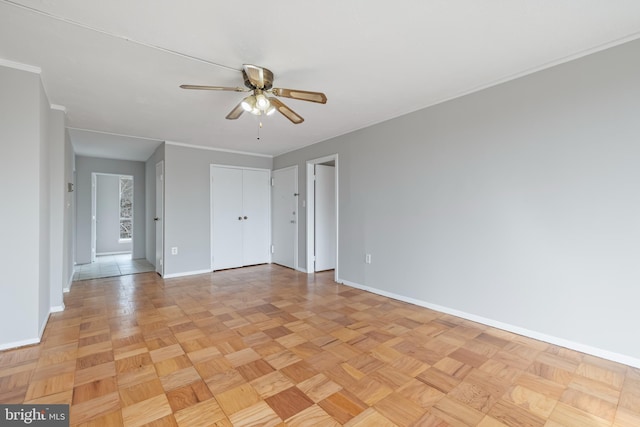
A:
<point x="112" y="219"/>
<point x="111" y="215"/>
<point x="322" y="214"/>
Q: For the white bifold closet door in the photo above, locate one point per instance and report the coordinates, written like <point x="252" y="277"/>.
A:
<point x="240" y="217"/>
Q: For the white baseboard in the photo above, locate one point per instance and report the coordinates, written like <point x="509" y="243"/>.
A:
<point x="57" y="308"/>
<point x="17" y="344"/>
<point x="113" y="253"/>
<point x="69" y="282"/>
<point x="186" y="273"/>
<point x="32" y="341"/>
<point x="43" y="326"/>
<point x="594" y="351"/>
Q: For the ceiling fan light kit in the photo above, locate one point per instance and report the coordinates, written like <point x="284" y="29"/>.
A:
<point x="249" y="103"/>
<point x="259" y="81"/>
<point x="257" y="104"/>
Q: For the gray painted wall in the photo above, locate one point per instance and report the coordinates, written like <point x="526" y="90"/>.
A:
<point x="108" y="215"/>
<point x="85" y="166"/>
<point x="150" y="174"/>
<point x="57" y="216"/>
<point x="27" y="131"/>
<point x="69" y="213"/>
<point x="20" y="139"/>
<point x="187" y="204"/>
<point x="519" y="203"/>
<point x="44" y="211"/>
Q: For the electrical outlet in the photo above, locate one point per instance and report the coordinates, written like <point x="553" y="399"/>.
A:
<point x="174" y="251"/>
<point x="367" y="258"/>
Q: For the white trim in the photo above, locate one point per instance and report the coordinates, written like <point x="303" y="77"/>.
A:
<point x="44" y="325"/>
<point x="114" y="134"/>
<point x="186" y="273"/>
<point x="310" y="233"/>
<point x="159" y="262"/>
<point x="94" y="189"/>
<point x="17" y="344"/>
<point x="223" y="150"/>
<point x="584" y="348"/>
<point x="59" y="108"/>
<point x="114" y="253"/>
<point x="218" y="165"/>
<point x="57" y="308"/>
<point x="69" y="281"/>
<point x="311" y="212"/>
<point x="211" y="217"/>
<point x="20" y="66"/>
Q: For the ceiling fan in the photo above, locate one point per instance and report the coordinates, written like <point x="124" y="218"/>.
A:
<point x="259" y="81"/>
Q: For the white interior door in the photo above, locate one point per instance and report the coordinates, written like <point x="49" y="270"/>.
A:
<point x="325" y="218"/>
<point x="94" y="189"/>
<point x="106" y="202"/>
<point x="159" y="218"/>
<point x="227" y="216"/>
<point x="284" y="228"/>
<point x="255" y="216"/>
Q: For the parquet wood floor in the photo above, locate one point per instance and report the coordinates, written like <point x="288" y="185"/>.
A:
<point x="268" y="346"/>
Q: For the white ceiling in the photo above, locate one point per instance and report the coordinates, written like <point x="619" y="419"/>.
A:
<point x="110" y="146"/>
<point x="115" y="67"/>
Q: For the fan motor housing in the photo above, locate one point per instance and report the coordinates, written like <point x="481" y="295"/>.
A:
<point x="268" y="80"/>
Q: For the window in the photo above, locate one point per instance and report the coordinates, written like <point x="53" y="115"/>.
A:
<point x="126" y="207"/>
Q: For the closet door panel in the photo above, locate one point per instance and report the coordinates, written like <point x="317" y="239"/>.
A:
<point x="256" y="207"/>
<point x="227" y="218"/>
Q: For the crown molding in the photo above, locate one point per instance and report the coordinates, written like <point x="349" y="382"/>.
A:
<point x="113" y="133"/>
<point x="20" y="66"/>
<point x="223" y="150"/>
<point x="59" y="108"/>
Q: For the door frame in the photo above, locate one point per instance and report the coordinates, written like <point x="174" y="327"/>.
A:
<point x="94" y="208"/>
<point x="297" y="224"/>
<point x="159" y="191"/>
<point x="211" y="236"/>
<point x="94" y="195"/>
<point x="311" y="212"/>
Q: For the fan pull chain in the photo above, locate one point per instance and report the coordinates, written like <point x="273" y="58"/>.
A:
<point x="259" y="127"/>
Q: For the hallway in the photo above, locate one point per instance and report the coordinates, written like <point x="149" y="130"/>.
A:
<point x="110" y="266"/>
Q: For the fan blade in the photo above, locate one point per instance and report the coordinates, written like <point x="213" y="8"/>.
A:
<point x="303" y="95"/>
<point x="255" y="75"/>
<point x="286" y="111"/>
<point x="236" y="112"/>
<point x="233" y="89"/>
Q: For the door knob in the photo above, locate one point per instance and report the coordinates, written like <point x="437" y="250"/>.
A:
<point x="239" y="218"/>
<point x="156" y="219"/>
<point x="246" y="217"/>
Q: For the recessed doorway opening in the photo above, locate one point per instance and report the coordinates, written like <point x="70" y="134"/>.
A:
<point x="111" y="214"/>
<point x="322" y="215"/>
